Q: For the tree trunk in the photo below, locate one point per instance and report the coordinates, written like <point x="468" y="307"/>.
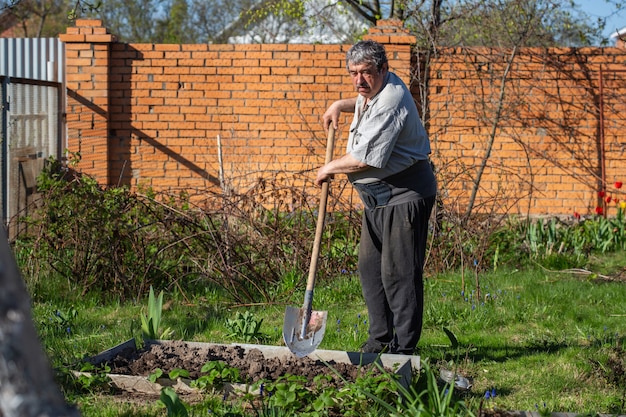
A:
<point x="27" y="385"/>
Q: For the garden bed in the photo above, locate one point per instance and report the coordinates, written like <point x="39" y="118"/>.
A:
<point x="130" y="366"/>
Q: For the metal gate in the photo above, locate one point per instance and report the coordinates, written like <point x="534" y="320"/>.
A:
<point x="31" y="118"/>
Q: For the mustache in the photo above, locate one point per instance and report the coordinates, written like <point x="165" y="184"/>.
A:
<point x="363" y="85"/>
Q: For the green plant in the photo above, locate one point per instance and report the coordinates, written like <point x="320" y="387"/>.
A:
<point x="216" y="374"/>
<point x="173" y="375"/>
<point x="174" y="405"/>
<point x="151" y="323"/>
<point x="261" y="408"/>
<point x="244" y="327"/>
<point x="92" y="378"/>
<point x="288" y="393"/>
<point x="60" y="322"/>
<point x="176" y="373"/>
<point x="356" y="398"/>
<point x="433" y="401"/>
<point x="155" y="374"/>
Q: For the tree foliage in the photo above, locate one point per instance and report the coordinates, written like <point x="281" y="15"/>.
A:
<point x="214" y="21"/>
<point x="36" y="18"/>
<point x="505" y="23"/>
<point x="301" y="21"/>
<point x="488" y="22"/>
<point x="434" y="22"/>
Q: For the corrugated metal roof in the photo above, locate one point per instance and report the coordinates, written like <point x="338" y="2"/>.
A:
<point x="40" y="59"/>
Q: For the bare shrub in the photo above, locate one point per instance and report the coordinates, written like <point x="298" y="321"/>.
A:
<point x="121" y="243"/>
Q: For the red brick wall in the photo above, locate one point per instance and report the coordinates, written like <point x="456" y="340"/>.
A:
<point x="560" y="136"/>
<point x="149" y="115"/>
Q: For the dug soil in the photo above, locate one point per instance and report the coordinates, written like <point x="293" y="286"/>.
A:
<point x="251" y="363"/>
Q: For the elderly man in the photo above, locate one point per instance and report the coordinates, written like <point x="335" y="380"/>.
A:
<point x="387" y="162"/>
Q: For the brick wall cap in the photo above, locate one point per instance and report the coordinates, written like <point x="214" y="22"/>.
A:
<point x="390" y="31"/>
<point x="88" y="23"/>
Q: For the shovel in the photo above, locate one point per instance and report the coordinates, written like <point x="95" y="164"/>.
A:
<point x="304" y="328"/>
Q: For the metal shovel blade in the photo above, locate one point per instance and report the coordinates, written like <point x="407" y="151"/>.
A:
<point x="314" y="328"/>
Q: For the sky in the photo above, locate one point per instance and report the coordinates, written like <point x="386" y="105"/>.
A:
<point x="600" y="8"/>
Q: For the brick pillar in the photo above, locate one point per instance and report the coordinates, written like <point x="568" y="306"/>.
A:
<point x="87" y="49"/>
<point x="398" y="43"/>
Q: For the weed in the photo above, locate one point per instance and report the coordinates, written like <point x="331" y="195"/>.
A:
<point x="60" y="322"/>
<point x="92" y="378"/>
<point x="245" y="327"/>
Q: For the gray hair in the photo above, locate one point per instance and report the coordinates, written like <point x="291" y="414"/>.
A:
<point x="367" y="52"/>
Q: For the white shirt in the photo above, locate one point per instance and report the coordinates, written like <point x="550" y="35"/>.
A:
<point x="388" y="134"/>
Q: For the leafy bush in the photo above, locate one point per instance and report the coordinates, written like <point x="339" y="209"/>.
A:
<point x="99" y="239"/>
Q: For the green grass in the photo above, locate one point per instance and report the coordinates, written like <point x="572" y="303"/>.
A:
<point x="540" y="338"/>
<point x="535" y="339"/>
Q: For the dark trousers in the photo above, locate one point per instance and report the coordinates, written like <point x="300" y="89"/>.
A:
<point x="391" y="261"/>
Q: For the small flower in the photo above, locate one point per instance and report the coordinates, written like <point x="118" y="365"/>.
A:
<point x="493" y="393"/>
<point x="601" y="194"/>
<point x="608" y="199"/>
<point x="577" y="215"/>
<point x="622" y="205"/>
<point x="599" y="210"/>
<point x="618" y="184"/>
<point x="487" y="395"/>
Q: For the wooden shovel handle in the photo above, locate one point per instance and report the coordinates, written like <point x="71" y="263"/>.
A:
<point x="321" y="216"/>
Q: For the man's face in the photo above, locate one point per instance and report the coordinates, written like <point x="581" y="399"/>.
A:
<point x="367" y="79"/>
